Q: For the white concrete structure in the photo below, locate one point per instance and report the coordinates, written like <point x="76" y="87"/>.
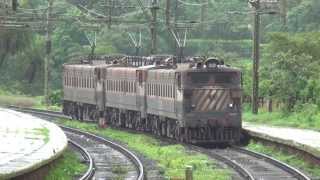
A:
<point x="27" y="143"/>
<point x="306" y="140"/>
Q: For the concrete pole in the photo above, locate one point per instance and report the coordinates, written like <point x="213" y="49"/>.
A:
<point x="47" y="58"/>
<point x="283" y="13"/>
<point x="189" y="173"/>
<point x="204" y="13"/>
<point x="168" y="6"/>
<point x="176" y="19"/>
<point x="256" y="59"/>
<point x="153" y="27"/>
<point x="109" y="4"/>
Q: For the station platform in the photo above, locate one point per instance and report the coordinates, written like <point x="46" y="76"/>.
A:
<point x="27" y="143"/>
<point x="302" y="139"/>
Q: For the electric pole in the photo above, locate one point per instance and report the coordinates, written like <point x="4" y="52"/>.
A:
<point x="175" y="20"/>
<point x="168" y="4"/>
<point x="109" y="4"/>
<point x="256" y="56"/>
<point x="204" y="13"/>
<point x="283" y="13"/>
<point x="153" y="27"/>
<point x="47" y="59"/>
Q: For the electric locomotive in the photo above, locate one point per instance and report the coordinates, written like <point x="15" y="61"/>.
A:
<point x="194" y="102"/>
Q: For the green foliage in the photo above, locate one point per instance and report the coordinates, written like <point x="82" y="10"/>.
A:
<point x="55" y="98"/>
<point x="171" y="158"/>
<point x="291" y="159"/>
<point x="66" y="168"/>
<point x="290" y="69"/>
<point x="306" y="116"/>
<point x="15" y="98"/>
<point x="304" y="16"/>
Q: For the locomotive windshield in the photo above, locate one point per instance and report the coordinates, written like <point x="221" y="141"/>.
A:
<point x="212" y="78"/>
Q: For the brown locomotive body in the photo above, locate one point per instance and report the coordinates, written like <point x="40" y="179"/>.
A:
<point x="199" y="104"/>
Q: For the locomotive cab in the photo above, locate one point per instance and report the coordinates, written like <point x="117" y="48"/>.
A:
<point x="212" y="102"/>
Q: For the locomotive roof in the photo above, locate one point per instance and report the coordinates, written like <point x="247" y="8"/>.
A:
<point x="185" y="67"/>
<point x="219" y="68"/>
<point x="85" y="66"/>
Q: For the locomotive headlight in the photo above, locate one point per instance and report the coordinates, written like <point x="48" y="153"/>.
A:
<point x="231" y="105"/>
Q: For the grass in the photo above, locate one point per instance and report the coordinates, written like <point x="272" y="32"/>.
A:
<point x="291" y="159"/>
<point x="7" y="99"/>
<point x="294" y="119"/>
<point x="171" y="158"/>
<point x="66" y="168"/>
<point x="18" y="100"/>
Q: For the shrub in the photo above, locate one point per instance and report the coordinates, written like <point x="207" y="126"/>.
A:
<point x="55" y="98"/>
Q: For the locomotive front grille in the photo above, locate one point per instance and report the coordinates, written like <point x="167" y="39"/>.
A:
<point x="206" y="100"/>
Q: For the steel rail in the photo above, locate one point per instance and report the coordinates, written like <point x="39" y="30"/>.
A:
<point x="233" y="164"/>
<point x="136" y="161"/>
<point x="85" y="154"/>
<point x="298" y="174"/>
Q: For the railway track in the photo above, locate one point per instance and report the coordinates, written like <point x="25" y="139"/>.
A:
<point x="248" y="164"/>
<point x="109" y="160"/>
<point x="255" y="166"/>
<point x="86" y="157"/>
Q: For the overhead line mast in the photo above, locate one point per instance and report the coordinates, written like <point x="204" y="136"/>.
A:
<point x="153" y="26"/>
<point x="48" y="57"/>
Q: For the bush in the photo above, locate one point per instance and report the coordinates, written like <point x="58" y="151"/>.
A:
<point x="307" y="111"/>
<point x="55" y="98"/>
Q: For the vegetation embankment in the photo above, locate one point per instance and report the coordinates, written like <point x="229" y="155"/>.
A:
<point x="172" y="159"/>
<point x="18" y="99"/>
<point x="68" y="167"/>
<point x="7" y="98"/>
<point x="291" y="159"/>
<point x="306" y="117"/>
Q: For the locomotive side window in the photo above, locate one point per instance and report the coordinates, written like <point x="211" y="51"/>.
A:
<point x="82" y="82"/>
<point x="129" y="87"/>
<point x="152" y="90"/>
<point x="73" y="81"/>
<point x="79" y="81"/>
<point x="76" y="81"/>
<point x="88" y="82"/>
<point x="157" y="90"/>
<point x="117" y="85"/>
